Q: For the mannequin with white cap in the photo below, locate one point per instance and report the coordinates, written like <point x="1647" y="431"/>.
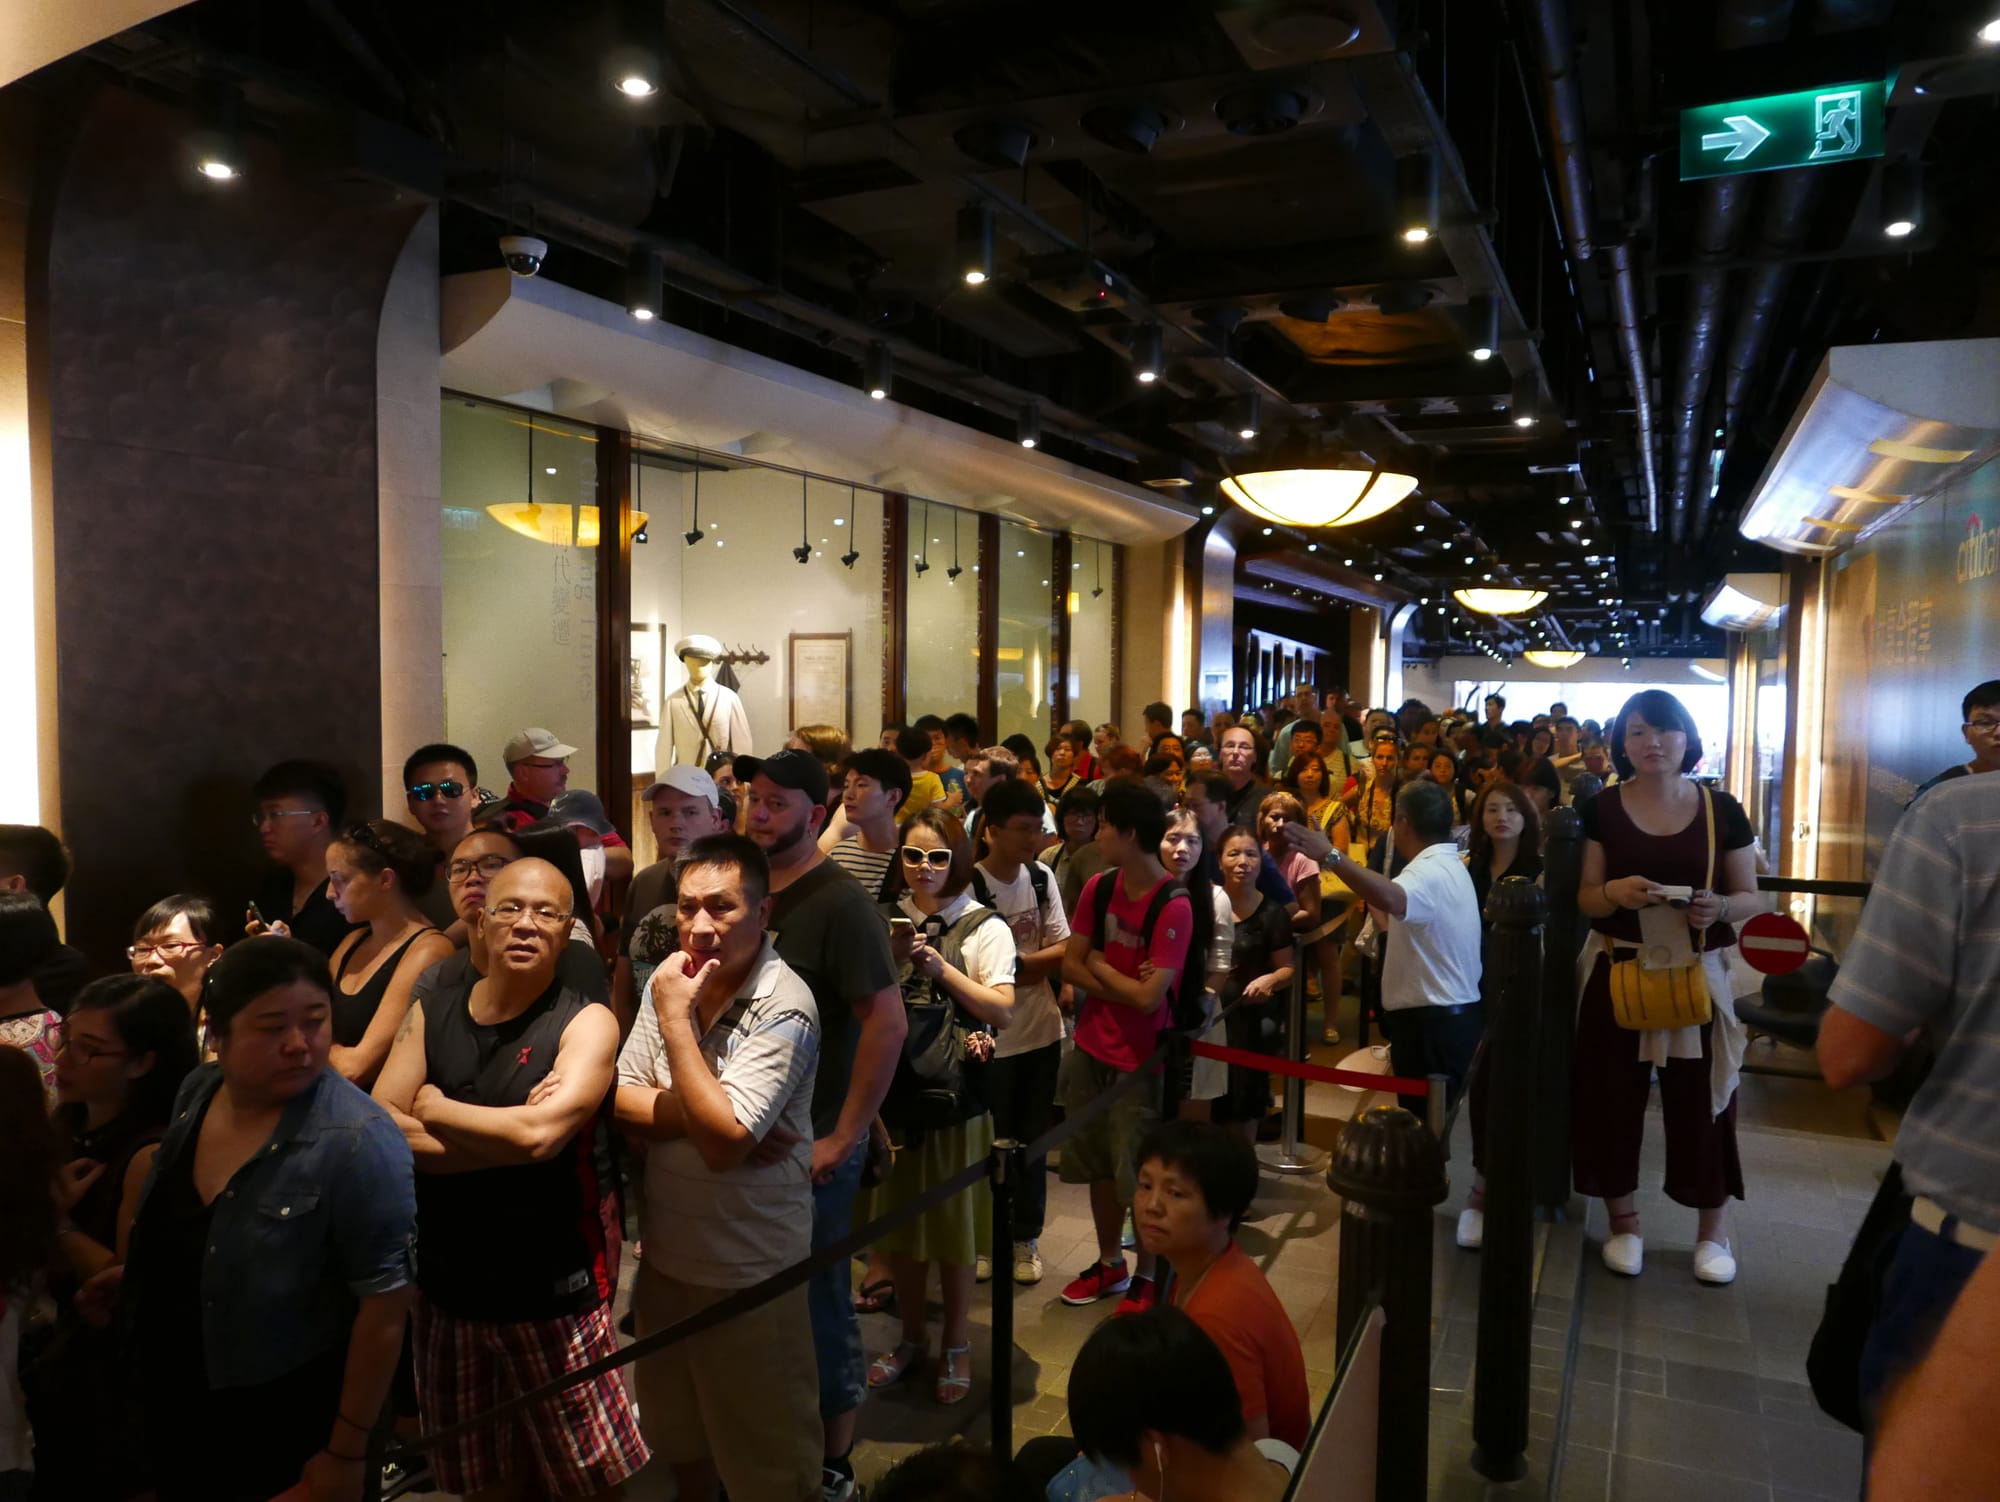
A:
<point x="702" y="716"/>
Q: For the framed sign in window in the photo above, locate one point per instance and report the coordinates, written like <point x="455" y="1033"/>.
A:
<point x="822" y="679"/>
<point x="646" y="682"/>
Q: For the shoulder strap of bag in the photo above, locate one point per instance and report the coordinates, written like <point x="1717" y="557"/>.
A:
<point x="1038" y="878"/>
<point x="1100" y="902"/>
<point x="980" y="890"/>
<point x="1708" y="811"/>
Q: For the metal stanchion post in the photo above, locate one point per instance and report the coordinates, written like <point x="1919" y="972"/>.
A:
<point x="1002" y="1166"/>
<point x="1562" y="871"/>
<point x="1389" y="1173"/>
<point x="1506" y="1258"/>
<point x="1293" y="1156"/>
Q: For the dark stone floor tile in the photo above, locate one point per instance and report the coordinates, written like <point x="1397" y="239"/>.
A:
<point x="1586" y="1475"/>
<point x="1671" y="1432"/>
<point x="1634" y="1480"/>
<point x="1819" y="1462"/>
<point x="1713" y="1386"/>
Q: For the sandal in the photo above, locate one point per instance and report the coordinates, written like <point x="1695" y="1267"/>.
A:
<point x="876" y="1298"/>
<point x="890" y="1367"/>
<point x="952" y="1388"/>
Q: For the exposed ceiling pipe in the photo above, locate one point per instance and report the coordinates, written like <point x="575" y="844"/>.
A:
<point x="1625" y="304"/>
<point x="1554" y="50"/>
<point x="1722" y="204"/>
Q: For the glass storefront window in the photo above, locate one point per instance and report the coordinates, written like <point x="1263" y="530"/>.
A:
<point x="520" y="582"/>
<point x="1092" y="608"/>
<point x="1026" y="647"/>
<point x="942" y="640"/>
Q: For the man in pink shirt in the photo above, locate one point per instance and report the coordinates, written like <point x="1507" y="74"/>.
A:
<point x="1130" y="920"/>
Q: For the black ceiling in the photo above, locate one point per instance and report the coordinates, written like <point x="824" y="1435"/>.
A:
<point x="1225" y="172"/>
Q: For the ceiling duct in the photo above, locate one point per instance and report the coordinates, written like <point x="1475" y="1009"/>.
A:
<point x="1881" y="427"/>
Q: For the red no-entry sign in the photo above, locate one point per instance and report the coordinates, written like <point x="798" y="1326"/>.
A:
<point x="1774" y="944"/>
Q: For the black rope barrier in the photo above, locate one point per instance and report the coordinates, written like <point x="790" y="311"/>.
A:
<point x="743" y="1300"/>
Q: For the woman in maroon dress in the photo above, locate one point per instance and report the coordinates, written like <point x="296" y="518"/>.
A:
<point x="1649" y="832"/>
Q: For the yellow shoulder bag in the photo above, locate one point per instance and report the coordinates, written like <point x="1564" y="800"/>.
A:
<point x="1646" y="999"/>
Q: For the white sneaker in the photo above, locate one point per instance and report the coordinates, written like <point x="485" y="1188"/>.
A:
<point x="1625" y="1255"/>
<point x="982" y="1268"/>
<point x="1471" y="1229"/>
<point x="1027" y="1263"/>
<point x="1713" y="1262"/>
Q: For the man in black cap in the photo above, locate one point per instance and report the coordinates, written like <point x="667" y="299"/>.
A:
<point x="829" y="931"/>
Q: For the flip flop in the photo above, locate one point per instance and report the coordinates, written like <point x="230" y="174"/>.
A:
<point x="875" y="1298"/>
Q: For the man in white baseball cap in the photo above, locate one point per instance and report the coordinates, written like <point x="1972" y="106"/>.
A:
<point x="681" y="806"/>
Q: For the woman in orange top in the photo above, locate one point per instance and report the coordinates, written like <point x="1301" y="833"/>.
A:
<point x="1196" y="1182"/>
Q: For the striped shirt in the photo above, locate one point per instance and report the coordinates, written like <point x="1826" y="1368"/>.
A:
<point x="1928" y="955"/>
<point x="869" y="867"/>
<point x="738" y="1227"/>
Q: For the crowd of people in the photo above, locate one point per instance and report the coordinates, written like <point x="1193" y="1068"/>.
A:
<point x="287" y="1143"/>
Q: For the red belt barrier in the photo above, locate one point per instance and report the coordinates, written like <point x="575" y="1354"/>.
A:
<point x="1388" y="1083"/>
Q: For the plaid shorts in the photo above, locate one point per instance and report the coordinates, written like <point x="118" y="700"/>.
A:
<point x="581" y="1442"/>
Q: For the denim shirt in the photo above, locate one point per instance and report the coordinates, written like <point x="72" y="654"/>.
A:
<point x="323" y="1214"/>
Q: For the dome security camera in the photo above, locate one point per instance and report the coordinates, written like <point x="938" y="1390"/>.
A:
<point x="523" y="254"/>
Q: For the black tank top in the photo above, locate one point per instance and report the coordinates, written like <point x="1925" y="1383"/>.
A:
<point x="521" y="1241"/>
<point x="353" y="1011"/>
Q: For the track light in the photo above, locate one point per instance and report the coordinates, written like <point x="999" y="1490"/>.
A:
<point x="1482" y="325"/>
<point x="643" y="280"/>
<point x="1902" y="197"/>
<point x="217" y="140"/>
<point x="640" y="536"/>
<point x="1523" y="404"/>
<point x="1417" y="197"/>
<point x="878" y="368"/>
<point x="1147" y="360"/>
<point x="975" y="244"/>
<point x="1028" y="427"/>
<point x="1248" y="415"/>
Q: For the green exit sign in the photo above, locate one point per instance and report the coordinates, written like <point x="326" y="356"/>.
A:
<point x="1839" y="123"/>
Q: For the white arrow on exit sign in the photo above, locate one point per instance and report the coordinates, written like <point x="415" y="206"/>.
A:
<point x="1744" y="136"/>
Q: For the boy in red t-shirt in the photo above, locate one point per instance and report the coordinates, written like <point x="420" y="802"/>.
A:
<point x="1118" y="1023"/>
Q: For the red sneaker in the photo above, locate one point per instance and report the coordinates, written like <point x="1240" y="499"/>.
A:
<point x="1139" y="1294"/>
<point x="1097" y="1281"/>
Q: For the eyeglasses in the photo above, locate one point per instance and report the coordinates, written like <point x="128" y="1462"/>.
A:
<point x="168" y="951"/>
<point x="1986" y="727"/>
<point x="485" y="865"/>
<point x="423" y="792"/>
<point x="265" y="816"/>
<point x="90" y="1053"/>
<point x="542" y="763"/>
<point x="938" y="860"/>
<point x="542" y="917"/>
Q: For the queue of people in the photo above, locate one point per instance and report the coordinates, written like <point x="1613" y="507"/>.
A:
<point x="845" y="962"/>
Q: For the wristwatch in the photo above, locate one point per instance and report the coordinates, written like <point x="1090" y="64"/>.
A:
<point x="1333" y="857"/>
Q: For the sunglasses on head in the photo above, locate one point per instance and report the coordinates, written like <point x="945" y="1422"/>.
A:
<point x="914" y="856"/>
<point x="423" y="792"/>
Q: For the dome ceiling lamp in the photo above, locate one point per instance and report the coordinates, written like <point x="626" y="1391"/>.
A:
<point x="1546" y="657"/>
<point x="1315" y="493"/>
<point x="1500" y="601"/>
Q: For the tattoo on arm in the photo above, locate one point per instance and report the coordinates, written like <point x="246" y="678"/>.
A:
<point x="409" y="1022"/>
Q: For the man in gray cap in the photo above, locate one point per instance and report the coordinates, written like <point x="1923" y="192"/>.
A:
<point x="682" y="806"/>
<point x="538" y="764"/>
<point x="702" y="716"/>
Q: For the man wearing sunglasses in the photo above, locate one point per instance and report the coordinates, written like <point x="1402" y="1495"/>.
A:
<point x="440" y="784"/>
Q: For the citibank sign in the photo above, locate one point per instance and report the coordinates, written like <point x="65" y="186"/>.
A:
<point x="1979" y="554"/>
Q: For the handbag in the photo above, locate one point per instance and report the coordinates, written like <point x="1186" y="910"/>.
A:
<point x="938" y="1084"/>
<point x="1646" y="999"/>
<point x="1833" y="1363"/>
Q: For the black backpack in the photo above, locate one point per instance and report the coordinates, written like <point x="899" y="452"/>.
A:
<point x="1038" y="877"/>
<point x="1184" y="1000"/>
<point x="936" y="1084"/>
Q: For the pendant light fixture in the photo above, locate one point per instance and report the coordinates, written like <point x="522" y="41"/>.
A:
<point x="1523" y="405"/>
<point x="693" y="534"/>
<point x="951" y="574"/>
<point x="1417" y="197"/>
<point x="1148" y="362"/>
<point x="1247" y="415"/>
<point x="1902" y="198"/>
<point x="853" y="554"/>
<point x="923" y="560"/>
<point x="643" y="284"/>
<point x="1316" y="492"/>
<point x="217" y="141"/>
<point x="1546" y="657"/>
<point x="975" y="244"/>
<point x="1098" y="593"/>
<point x="1500" y="601"/>
<point x="804" y="551"/>
<point x="877" y="370"/>
<point x="1482" y="326"/>
<point x="1029" y="428"/>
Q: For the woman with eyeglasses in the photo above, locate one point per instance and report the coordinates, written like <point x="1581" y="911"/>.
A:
<point x="378" y="872"/>
<point x="128" y="1043"/>
<point x="176" y="940"/>
<point x="957" y="961"/>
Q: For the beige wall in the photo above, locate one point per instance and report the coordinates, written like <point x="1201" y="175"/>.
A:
<point x="28" y="784"/>
<point x="1155" y="634"/>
